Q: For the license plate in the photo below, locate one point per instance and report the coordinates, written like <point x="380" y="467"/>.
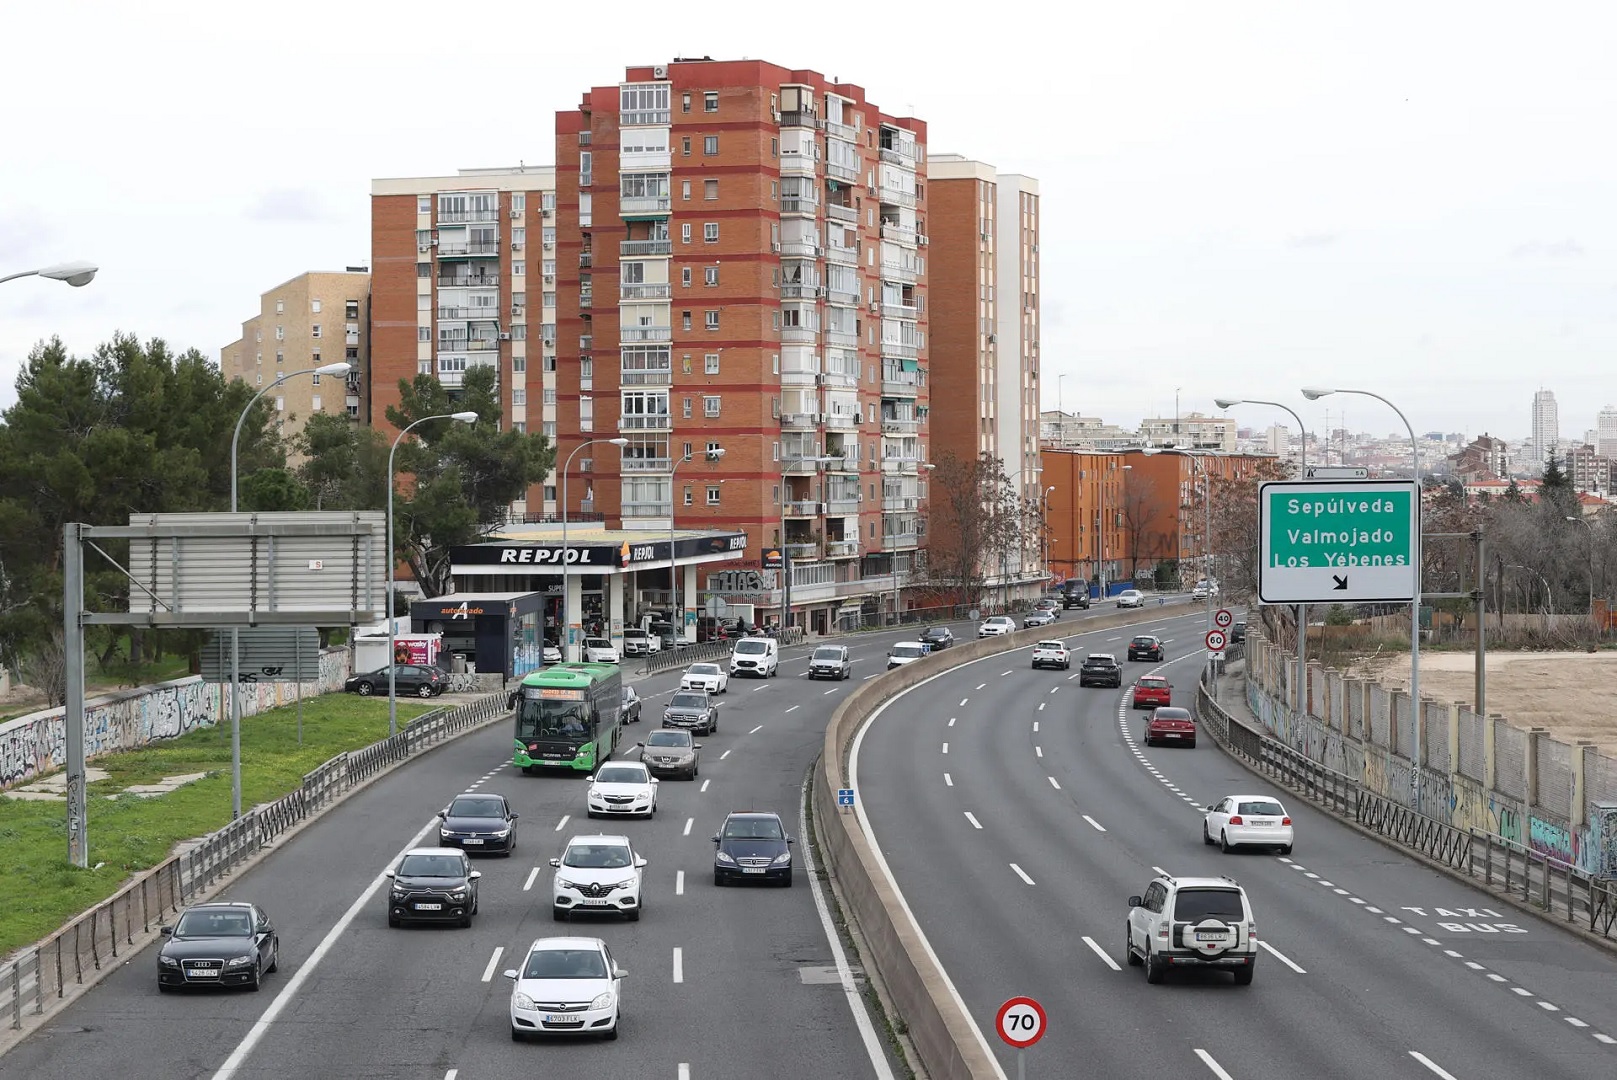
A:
<point x="471" y="840"/>
<point x="1262" y="822"/>
<point x="204" y="973"/>
<point x="752" y="869"/>
<point x="1206" y="935"/>
<point x="593" y="901"/>
<point x="1170" y="734"/>
<point x="561" y="1018"/>
<point x="429" y="907"/>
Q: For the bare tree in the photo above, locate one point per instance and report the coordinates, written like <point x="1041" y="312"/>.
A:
<point x="1141" y="507"/>
<point x="45" y="668"/>
<point x="975" y="520"/>
<point x="1234" y="514"/>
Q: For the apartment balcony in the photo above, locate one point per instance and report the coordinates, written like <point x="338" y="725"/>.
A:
<point x="843" y="256"/>
<point x="799" y="249"/>
<point x="641" y="422"/>
<point x="796" y="165"/>
<point x="897" y="157"/>
<point x="845" y="132"/>
<point x="664" y="510"/>
<point x="586" y="343"/>
<point x="645" y="117"/>
<point x="586" y="299"/>
<point x="466" y="313"/>
<point x="799" y="335"/>
<point x="646" y="161"/>
<point x="661" y="377"/>
<point x="847" y="504"/>
<point x="799" y="421"/>
<point x="899" y="388"/>
<point x="895" y="541"/>
<point x="803" y="509"/>
<point x="586" y="260"/>
<point x="842" y="338"/>
<point x="460" y="281"/>
<point x="900" y="310"/>
<point x="841" y="549"/>
<point x="645" y="204"/>
<point x="478" y="345"/>
<point x="636" y="249"/>
<point x="647" y="464"/>
<point x="800" y="119"/>
<point x="798" y="467"/>
<point x="901" y="466"/>
<point x="646" y="333"/>
<point x="845" y="214"/>
<point x="901" y="503"/>
<point x="656" y="290"/>
<point x="803" y="377"/>
<point x="835" y="170"/>
<point x="456" y="217"/>
<point x="901" y="272"/>
<point x="799" y="552"/>
<point x="461" y="251"/>
<point x="908" y="350"/>
<point x="842" y="421"/>
<point x="894" y="426"/>
<point x="899" y="234"/>
<point x="793" y="204"/>
<point x="838" y="296"/>
<point x="846" y="379"/>
<point x="801" y="292"/>
<point x="894" y="197"/>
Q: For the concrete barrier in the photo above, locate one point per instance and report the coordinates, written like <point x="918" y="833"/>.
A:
<point x="938" y="1025"/>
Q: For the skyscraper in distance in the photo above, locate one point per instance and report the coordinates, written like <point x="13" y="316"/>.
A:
<point x="1546" y="425"/>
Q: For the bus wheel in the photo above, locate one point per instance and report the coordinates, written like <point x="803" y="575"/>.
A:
<point x="527" y="770"/>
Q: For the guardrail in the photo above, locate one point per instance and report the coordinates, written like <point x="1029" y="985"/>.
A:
<point x="54" y="968"/>
<point x="708" y="650"/>
<point x="1508" y="869"/>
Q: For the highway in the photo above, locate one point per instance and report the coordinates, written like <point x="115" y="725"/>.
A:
<point x="1018" y="813"/>
<point x="723" y="983"/>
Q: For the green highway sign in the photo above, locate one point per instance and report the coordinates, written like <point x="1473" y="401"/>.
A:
<point x="1347" y="541"/>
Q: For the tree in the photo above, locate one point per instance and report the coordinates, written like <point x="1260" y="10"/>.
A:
<point x="344" y="464"/>
<point x="1235" y="539"/>
<point x="974" y="522"/>
<point x="465" y="475"/>
<point x="1556" y="490"/>
<point x="1140" y="508"/>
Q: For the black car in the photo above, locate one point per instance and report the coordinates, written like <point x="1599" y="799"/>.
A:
<point x="752" y="846"/>
<point x="1238" y="635"/>
<point x="480" y="824"/>
<point x="414" y="679"/>
<point x="692" y="710"/>
<point x="1077" y="597"/>
<point x="831" y="662"/>
<point x="939" y="637"/>
<point x="223" y="944"/>
<point x="631" y="705"/>
<point x="1145" y="647"/>
<point x="1100" y="669"/>
<point x="433" y="885"/>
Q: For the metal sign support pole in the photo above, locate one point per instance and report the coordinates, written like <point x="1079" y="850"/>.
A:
<point x="78" y="847"/>
<point x="235" y="723"/>
<point x="297" y="666"/>
<point x="1021" y="1069"/>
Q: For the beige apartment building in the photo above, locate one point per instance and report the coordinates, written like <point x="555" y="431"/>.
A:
<point x="316" y="318"/>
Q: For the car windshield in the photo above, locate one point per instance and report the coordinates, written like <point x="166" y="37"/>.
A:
<point x="829" y="653"/>
<point x="1262" y="807"/>
<point x="1143" y="640"/>
<point x="751" y="648"/>
<point x="1154" y="682"/>
<point x="620" y="774"/>
<point x="477" y="807"/>
<point x="1100" y="659"/>
<point x="1056" y="645"/>
<point x="567" y="717"/>
<point x="598" y="857"/>
<point x="1171" y="714"/>
<point x="565" y="964"/>
<point x="1194" y="905"/>
<point x="445" y="866"/>
<point x="704" y="669"/>
<point x="688" y="701"/>
<point x="597" y="643"/>
<point x="753" y="829"/>
<point x="214" y="924"/>
<point x="669" y="738"/>
<point x="634" y="633"/>
<point x="935" y="632"/>
<point x="907" y="651"/>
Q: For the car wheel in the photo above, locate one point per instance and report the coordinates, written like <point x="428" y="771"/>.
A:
<point x="632" y="915"/>
<point x="365" y="689"/>
<point x="558" y="914"/>
<point x="1243" y="976"/>
<point x="258" y="978"/>
<point x="718" y="879"/>
<point x="589" y="813"/>
<point x="466" y="922"/>
<point x="612" y="1032"/>
<point x="424" y="691"/>
<point x="516" y="1034"/>
<point x="1224" y="842"/>
<point x="787" y="883"/>
<point x="1128" y="946"/>
<point x="1285" y="849"/>
<point x="1154" y="969"/>
<point x="275" y="961"/>
<point x="1207" y="837"/>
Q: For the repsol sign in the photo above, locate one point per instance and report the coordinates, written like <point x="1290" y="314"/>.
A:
<point x="548" y="556"/>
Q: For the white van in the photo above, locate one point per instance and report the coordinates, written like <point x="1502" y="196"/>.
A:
<point x="758" y="656"/>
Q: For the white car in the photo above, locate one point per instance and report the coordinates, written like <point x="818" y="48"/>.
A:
<point x="566" y="986"/>
<point x="1051" y="654"/>
<point x="1248" y="821"/>
<point x="709" y="677"/>
<point x="905" y="652"/>
<point x="1204" y="589"/>
<point x="622" y="789"/>
<point x="995" y="625"/>
<point x="758" y="656"/>
<point x="636" y="642"/>
<point x="552" y="653"/>
<point x="1131" y="598"/>
<point x="597" y="874"/>
<point x="600" y="650"/>
<point x="1192" y="922"/>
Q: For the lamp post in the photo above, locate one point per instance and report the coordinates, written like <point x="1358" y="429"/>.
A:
<point x="1045" y="513"/>
<point x="84" y="270"/>
<point x="673" y="571"/>
<point x="76" y="274"/>
<point x="1586" y="524"/>
<point x="566" y="550"/>
<point x="1302" y="609"/>
<point x="893" y="551"/>
<point x="392" y="629"/>
<point x="1314" y="393"/>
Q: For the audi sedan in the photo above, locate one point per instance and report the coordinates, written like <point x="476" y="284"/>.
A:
<point x="708" y="677"/>
<point x="224" y="944"/>
<point x="1248" y="821"/>
<point x="622" y="789"/>
<point x="1039" y="617"/>
<point x="481" y="824"/>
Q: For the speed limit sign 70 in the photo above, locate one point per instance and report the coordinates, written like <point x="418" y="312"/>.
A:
<point x="1215" y="640"/>
<point x="1223" y="618"/>
<point x="1020" y="1022"/>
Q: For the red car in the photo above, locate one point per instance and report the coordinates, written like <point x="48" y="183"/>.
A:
<point x="1152" y="691"/>
<point x="1170" y="726"/>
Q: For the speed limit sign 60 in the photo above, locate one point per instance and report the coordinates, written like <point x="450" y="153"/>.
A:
<point x="1223" y="618"/>
<point x="1020" y="1022"/>
<point x="1215" y="640"/>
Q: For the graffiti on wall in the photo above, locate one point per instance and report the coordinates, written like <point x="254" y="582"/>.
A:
<point x="1574" y="847"/>
<point x="1473" y="807"/>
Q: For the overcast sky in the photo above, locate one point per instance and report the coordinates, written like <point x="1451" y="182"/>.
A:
<point x="1239" y="199"/>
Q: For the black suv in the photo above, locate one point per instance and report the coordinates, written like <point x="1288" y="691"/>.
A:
<point x="1076" y="597"/>
<point x="692" y="710"/>
<point x="224" y="944"/>
<point x="752" y="846"/>
<point x="1145" y="647"/>
<point x="434" y="884"/>
<point x="1100" y="669"/>
<point x="1238" y="634"/>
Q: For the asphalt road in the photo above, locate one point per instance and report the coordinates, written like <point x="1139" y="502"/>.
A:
<point x="1019" y="812"/>
<point x="723" y="983"/>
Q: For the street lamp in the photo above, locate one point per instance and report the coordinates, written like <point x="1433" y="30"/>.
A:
<point x="76" y="274"/>
<point x="892" y="554"/>
<point x="71" y="273"/>
<point x="1588" y="525"/>
<point x="673" y="571"/>
<point x="1314" y="393"/>
<point x="392" y="631"/>
<point x="1045" y="500"/>
<point x="566" y="565"/>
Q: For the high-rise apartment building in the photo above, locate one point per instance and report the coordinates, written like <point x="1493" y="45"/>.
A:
<point x="1193" y="431"/>
<point x="464" y="276"/>
<point x="740" y="266"/>
<point x="316" y="318"/>
<point x="1605" y="441"/>
<point x="1546" y="426"/>
<point x="984" y="284"/>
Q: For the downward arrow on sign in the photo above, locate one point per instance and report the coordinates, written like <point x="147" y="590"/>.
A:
<point x="1341" y="581"/>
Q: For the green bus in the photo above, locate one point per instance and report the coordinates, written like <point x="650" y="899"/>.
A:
<point x="568" y="716"/>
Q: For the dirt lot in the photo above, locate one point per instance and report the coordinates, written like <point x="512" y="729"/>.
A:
<point x="1573" y="694"/>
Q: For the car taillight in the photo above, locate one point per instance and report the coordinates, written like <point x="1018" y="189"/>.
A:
<point x="1285" y="821"/>
<point x="1236" y="820"/>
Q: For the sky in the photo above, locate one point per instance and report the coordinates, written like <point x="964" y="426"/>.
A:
<point x="1238" y="199"/>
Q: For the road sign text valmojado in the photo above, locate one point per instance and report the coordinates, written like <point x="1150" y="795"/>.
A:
<point x="1343" y="536"/>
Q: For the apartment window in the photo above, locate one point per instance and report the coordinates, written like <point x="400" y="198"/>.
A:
<point x="314" y="307"/>
<point x="586" y="367"/>
<point x="519" y="396"/>
<point x="774" y="148"/>
<point x="711" y="319"/>
<point x="586" y="168"/>
<point x="520" y="427"/>
<point x="423" y="204"/>
<point x="550" y="493"/>
<point x="548" y="267"/>
<point x="687" y="451"/>
<point x="423" y="333"/>
<point x="685" y="364"/>
<point x="548" y="235"/>
<point x="280" y="331"/>
<point x="314" y="330"/>
<point x="685" y="232"/>
<point x="280" y="307"/>
<point x="685" y="102"/>
<point x="710" y="145"/>
<point x="423" y="270"/>
<point x="710" y="189"/>
<point x="517" y="269"/>
<point x="547" y="428"/>
<point x="519" y="237"/>
<point x="710" y="232"/>
<point x="710" y="363"/>
<point x="685" y="276"/>
<point x="314" y="403"/>
<point x="548" y="363"/>
<point x="713" y="494"/>
<point x="685" y="409"/>
<point x="550" y="396"/>
<point x="710" y="275"/>
<point x="712" y="448"/>
<point x="548" y="299"/>
<point x="774" y="190"/>
<point x="280" y="358"/>
<point x="261" y="379"/>
<point x="260" y="360"/>
<point x="684" y="320"/>
<point x="547" y="200"/>
<point x="685" y="190"/>
<point x="710" y="405"/>
<point x="353" y="310"/>
<point x="315" y="381"/>
<point x="685" y="145"/>
<point x="519" y="365"/>
<point x="710" y="101"/>
<point x="688" y="499"/>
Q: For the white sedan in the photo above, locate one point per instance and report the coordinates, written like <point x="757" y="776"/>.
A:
<point x="622" y="789"/>
<point x="709" y="677"/>
<point x="995" y="625"/>
<point x="566" y="986"/>
<point x="1131" y="598"/>
<point x="1248" y="821"/>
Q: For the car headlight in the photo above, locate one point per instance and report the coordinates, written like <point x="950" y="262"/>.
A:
<point x="238" y="961"/>
<point x="168" y="961"/>
<point x="563" y="883"/>
<point x="723" y="857"/>
<point x="604" y="1001"/>
<point x="783" y="857"/>
<point x="521" y="1001"/>
<point x="446" y="832"/>
<point x="642" y="796"/>
<point x="458" y="894"/>
<point x="400" y="894"/>
<point x="501" y="832"/>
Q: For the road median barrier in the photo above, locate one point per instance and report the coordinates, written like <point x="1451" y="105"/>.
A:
<point x="944" y="1035"/>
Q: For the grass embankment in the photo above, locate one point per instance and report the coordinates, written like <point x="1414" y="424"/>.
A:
<point x="39" y="891"/>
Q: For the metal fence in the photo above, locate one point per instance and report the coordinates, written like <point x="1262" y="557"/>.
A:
<point x="100" y="937"/>
<point x="707" y="650"/>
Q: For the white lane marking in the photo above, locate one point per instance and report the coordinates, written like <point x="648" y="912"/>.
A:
<point x="867" y="678"/>
<point x="451" y="1074"/>
<point x="1041" y="709"/>
<point x="1496" y="978"/>
<point x="981" y="685"/>
<point x="1338" y="892"/>
<point x="563" y="822"/>
<point x="1280" y="956"/>
<point x="726" y="754"/>
<point x="1430" y="941"/>
<point x="1432" y="1065"/>
<point x="945" y="748"/>
<point x="1021" y="873"/>
<point x="1307" y="874"/>
<point x="975" y="824"/>
<point x="1053" y="782"/>
<point x="948" y="781"/>
<point x="1395" y="920"/>
<point x="1547" y="1007"/>
<point x="295" y="983"/>
<point x="1053" y="689"/>
<point x="756" y="730"/>
<point x="1218" y="1070"/>
<point x="1355" y="900"/>
<point x="1410" y="930"/>
<point x="1072" y="677"/>
<point x="705" y="783"/>
<point x="1473" y="965"/>
<point x="679" y="964"/>
<point x="1100" y="952"/>
<point x="855" y="999"/>
<point x="688" y="823"/>
<point x="526" y="885"/>
<point x="1114" y="639"/>
<point x="833" y="690"/>
<point x="1607" y="1039"/>
<point x="760" y="689"/>
<point x="684" y="1071"/>
<point x="1003" y="674"/>
<point x="679" y="883"/>
<point x="794" y="708"/>
<point x="952" y="719"/>
<point x="1451" y="952"/>
<point x="1038" y="751"/>
<point x="1574" y="1021"/>
<point x="1372" y="910"/>
<point x="1098" y="826"/>
<point x="493" y="961"/>
<point x="1519" y="991"/>
<point x="1036" y="724"/>
<point x="964" y="700"/>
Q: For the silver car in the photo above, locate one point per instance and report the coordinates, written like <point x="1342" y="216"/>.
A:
<point x="672" y="752"/>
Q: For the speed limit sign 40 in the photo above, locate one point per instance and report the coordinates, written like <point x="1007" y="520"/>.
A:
<point x="1215" y="640"/>
<point x="1223" y="618"/>
<point x="1020" y="1022"/>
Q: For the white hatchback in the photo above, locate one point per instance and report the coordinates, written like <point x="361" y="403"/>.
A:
<point x="995" y="625"/>
<point x="600" y="650"/>
<point x="622" y="789"/>
<point x="709" y="677"/>
<point x="1248" y="821"/>
<point x="597" y="874"/>
<point x="566" y="986"/>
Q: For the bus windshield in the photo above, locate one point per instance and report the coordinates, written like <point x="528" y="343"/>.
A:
<point x="550" y="718"/>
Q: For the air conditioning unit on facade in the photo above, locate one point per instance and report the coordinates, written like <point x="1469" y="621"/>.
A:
<point x="774" y="245"/>
<point x="549" y="211"/>
<point x="660" y="71"/>
<point x="516" y="215"/>
<point x="505" y="337"/>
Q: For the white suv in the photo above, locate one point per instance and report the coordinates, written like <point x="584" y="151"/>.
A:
<point x="995" y="625"/>
<point x="598" y="874"/>
<point x="1192" y="922"/>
